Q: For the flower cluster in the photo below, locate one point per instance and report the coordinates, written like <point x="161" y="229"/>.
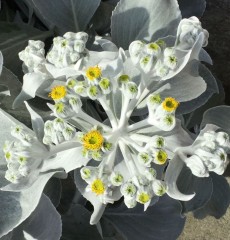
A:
<point x="209" y="154"/>
<point x="68" y="49"/>
<point x="24" y="155"/>
<point x="124" y="155"/>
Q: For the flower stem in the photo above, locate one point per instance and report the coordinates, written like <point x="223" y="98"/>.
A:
<point x="138" y="125"/>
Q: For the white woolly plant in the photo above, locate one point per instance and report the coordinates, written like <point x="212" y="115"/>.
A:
<point x="120" y="157"/>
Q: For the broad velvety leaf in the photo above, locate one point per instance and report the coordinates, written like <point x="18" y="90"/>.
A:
<point x="43" y="224"/>
<point x="17" y="206"/>
<point x="219" y="201"/>
<point x="37" y="122"/>
<point x="146" y="19"/>
<point x="13" y="39"/>
<point x="187" y="85"/>
<point x="192" y="8"/>
<point x="76" y="225"/>
<point x="65" y="15"/>
<point x="172" y="173"/>
<point x="219" y="116"/>
<point x="53" y="190"/>
<point x="188" y="183"/>
<point x="102" y="18"/>
<point x="160" y="221"/>
<point x="211" y="88"/>
<point x="1" y="62"/>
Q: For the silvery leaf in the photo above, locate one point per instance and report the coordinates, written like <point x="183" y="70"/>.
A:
<point x="160" y="221"/>
<point x="53" y="190"/>
<point x="17" y="206"/>
<point x="219" y="116"/>
<point x="43" y="224"/>
<point x="143" y="20"/>
<point x="37" y="122"/>
<point x="65" y="15"/>
<point x="188" y="183"/>
<point x="172" y="173"/>
<point x="212" y="87"/>
<point x="13" y="39"/>
<point x="219" y="201"/>
<point x="76" y="225"/>
<point x="192" y="8"/>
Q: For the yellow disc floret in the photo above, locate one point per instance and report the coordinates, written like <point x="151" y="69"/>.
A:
<point x="161" y="157"/>
<point x="170" y="104"/>
<point x="98" y="187"/>
<point x="93" y="73"/>
<point x="57" y="92"/>
<point x="93" y="140"/>
<point x="143" y="198"/>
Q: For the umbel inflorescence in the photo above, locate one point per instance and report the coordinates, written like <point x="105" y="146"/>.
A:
<point x="126" y="154"/>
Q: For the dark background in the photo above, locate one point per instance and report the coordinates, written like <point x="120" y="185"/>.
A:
<point x="216" y="20"/>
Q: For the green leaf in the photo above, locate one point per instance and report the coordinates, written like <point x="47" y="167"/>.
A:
<point x="65" y="15"/>
<point x="144" y="20"/>
<point x="13" y="39"/>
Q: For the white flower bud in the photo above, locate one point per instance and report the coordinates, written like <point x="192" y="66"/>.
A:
<point x="130" y="202"/>
<point x="105" y="85"/>
<point x="79" y="46"/>
<point x="71" y="83"/>
<point x="156" y="142"/>
<point x="69" y="35"/>
<point x="59" y="124"/>
<point x="85" y="173"/>
<point x="93" y="92"/>
<point x="96" y="155"/>
<point x="144" y="158"/>
<point x="69" y="133"/>
<point x="153" y="49"/>
<point x="161" y="69"/>
<point x="116" y="179"/>
<point x="13" y="177"/>
<point x="159" y="187"/>
<point x="82" y="36"/>
<point x="128" y="189"/>
<point x="170" y="59"/>
<point x="48" y="127"/>
<point x="74" y="57"/>
<point x="47" y="140"/>
<point x="131" y="90"/>
<point x="223" y="139"/>
<point x="197" y="166"/>
<point x="75" y="103"/>
<point x="147" y="62"/>
<point x="188" y="32"/>
<point x="81" y="89"/>
<point x="135" y="48"/>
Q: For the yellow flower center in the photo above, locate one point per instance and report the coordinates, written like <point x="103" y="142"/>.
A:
<point x="93" y="73"/>
<point x="170" y="104"/>
<point x="93" y="140"/>
<point x="143" y="198"/>
<point x="57" y="92"/>
<point x="161" y="157"/>
<point x="98" y="187"/>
